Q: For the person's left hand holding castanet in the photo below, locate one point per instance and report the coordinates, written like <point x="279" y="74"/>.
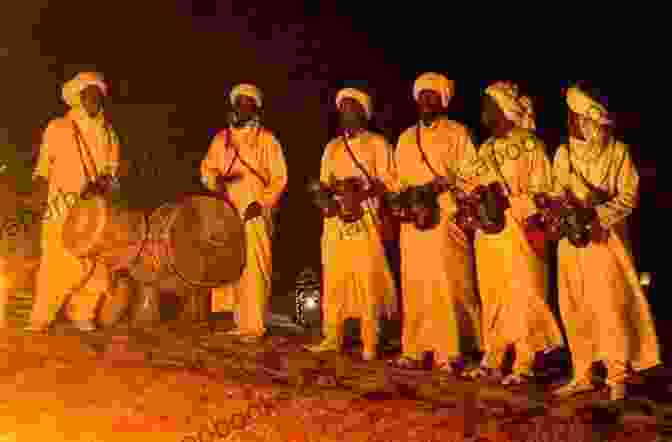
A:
<point x="253" y="210"/>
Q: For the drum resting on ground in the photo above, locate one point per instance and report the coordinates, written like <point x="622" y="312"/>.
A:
<point x="188" y="246"/>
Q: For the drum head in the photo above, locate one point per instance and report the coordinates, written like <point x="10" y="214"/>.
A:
<point x="208" y="241"/>
<point x="84" y="225"/>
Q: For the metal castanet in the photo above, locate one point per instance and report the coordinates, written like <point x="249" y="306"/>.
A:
<point x="344" y="196"/>
<point x="97" y="227"/>
<point x="493" y="202"/>
<point x="420" y="205"/>
<point x="350" y="193"/>
<point x="565" y="217"/>
<point x="423" y="205"/>
<point x="322" y="196"/>
<point x="200" y="239"/>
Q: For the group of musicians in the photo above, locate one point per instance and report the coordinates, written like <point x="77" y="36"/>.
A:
<point x="366" y="187"/>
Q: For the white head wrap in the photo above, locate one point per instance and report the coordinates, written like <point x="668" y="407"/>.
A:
<point x="579" y="102"/>
<point x="517" y="108"/>
<point x="437" y="83"/>
<point x="357" y="95"/>
<point x="249" y="90"/>
<point x="73" y="88"/>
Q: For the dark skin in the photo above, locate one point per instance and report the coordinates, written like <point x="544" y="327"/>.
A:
<point x="246" y="108"/>
<point x="429" y="106"/>
<point x="92" y="100"/>
<point x="598" y="234"/>
<point x="252" y="211"/>
<point x="493" y="118"/>
<point x="352" y="115"/>
<point x="573" y="126"/>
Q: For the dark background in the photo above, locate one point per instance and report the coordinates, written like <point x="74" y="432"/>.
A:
<point x="171" y="64"/>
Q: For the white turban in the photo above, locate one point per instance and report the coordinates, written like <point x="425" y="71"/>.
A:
<point x="517" y="108"/>
<point x="579" y="102"/>
<point x="73" y="88"/>
<point x="358" y="96"/>
<point x="437" y="83"/>
<point x="249" y="90"/>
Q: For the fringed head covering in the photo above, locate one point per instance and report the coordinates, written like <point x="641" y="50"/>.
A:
<point x="516" y="107"/>
<point x="583" y="104"/>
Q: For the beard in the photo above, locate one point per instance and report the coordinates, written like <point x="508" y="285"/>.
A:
<point x="428" y="117"/>
<point x="239" y="119"/>
<point x="352" y="121"/>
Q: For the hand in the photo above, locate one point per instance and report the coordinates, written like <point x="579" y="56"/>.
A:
<point x="598" y="234"/>
<point x="252" y="211"/>
<point x="441" y="183"/>
<point x="423" y="216"/>
<point x="222" y="181"/>
<point x="109" y="183"/>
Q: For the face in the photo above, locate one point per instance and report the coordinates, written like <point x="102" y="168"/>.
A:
<point x="584" y="129"/>
<point x="352" y="114"/>
<point x="246" y="108"/>
<point x="92" y="100"/>
<point x="590" y="129"/>
<point x="492" y="116"/>
<point x="429" y="105"/>
<point x="573" y="126"/>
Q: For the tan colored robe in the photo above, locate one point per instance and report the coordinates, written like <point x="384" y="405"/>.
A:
<point x="605" y="311"/>
<point x="60" y="272"/>
<point x="512" y="278"/>
<point x="248" y="297"/>
<point x="440" y="307"/>
<point x="357" y="281"/>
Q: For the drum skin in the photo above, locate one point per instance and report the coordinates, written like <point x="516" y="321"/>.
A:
<point x="199" y="239"/>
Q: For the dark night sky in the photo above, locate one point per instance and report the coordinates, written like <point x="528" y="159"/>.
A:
<point x="170" y="69"/>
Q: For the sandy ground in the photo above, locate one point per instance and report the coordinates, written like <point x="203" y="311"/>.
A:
<point x="68" y="387"/>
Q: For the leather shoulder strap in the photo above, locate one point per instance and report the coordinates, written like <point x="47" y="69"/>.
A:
<point x="256" y="173"/>
<point x="356" y="161"/>
<point x="84" y="148"/>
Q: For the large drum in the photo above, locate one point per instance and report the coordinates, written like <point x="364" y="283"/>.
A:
<point x="97" y="227"/>
<point x="200" y="240"/>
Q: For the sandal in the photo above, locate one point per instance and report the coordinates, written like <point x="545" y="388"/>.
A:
<point x="405" y="363"/>
<point x="450" y="366"/>
<point x="250" y="339"/>
<point x="324" y="346"/>
<point x="514" y="379"/>
<point x="445" y="367"/>
<point x="574" y="387"/>
<point x="480" y="373"/>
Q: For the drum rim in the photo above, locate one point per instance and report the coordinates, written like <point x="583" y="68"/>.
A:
<point x="150" y="244"/>
<point x="171" y="258"/>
